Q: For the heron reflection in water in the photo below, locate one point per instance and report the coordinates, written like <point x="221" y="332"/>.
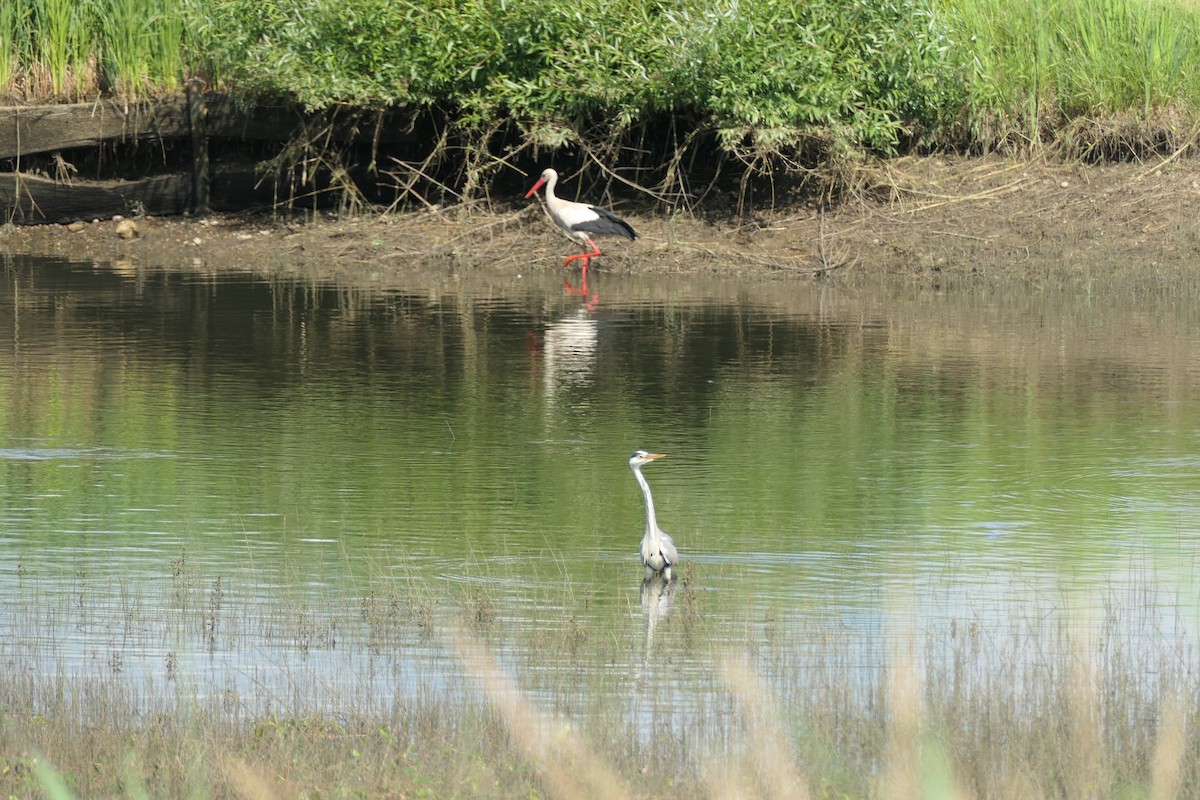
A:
<point x="656" y="596"/>
<point x="658" y="549"/>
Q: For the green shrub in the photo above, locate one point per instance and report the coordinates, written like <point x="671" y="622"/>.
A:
<point x="880" y="70"/>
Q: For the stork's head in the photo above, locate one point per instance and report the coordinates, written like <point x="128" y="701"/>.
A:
<point x="549" y="176"/>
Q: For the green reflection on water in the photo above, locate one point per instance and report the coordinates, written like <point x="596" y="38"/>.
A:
<point x="821" y="444"/>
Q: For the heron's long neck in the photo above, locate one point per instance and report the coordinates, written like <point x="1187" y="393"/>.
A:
<point x="651" y="525"/>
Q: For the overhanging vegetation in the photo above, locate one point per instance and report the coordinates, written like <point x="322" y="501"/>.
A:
<point x="664" y="94"/>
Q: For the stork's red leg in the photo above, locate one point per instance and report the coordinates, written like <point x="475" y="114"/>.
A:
<point x="583" y="283"/>
<point x="586" y="255"/>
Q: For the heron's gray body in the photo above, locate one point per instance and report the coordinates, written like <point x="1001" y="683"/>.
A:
<point x="659" y="553"/>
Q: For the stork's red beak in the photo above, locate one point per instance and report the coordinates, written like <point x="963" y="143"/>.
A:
<point x="536" y="186"/>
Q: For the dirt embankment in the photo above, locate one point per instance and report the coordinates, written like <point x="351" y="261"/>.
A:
<point x="935" y="219"/>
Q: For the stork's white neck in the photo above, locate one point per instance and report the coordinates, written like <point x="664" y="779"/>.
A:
<point x="551" y="182"/>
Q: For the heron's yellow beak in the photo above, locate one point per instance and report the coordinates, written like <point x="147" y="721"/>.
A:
<point x="655" y="456"/>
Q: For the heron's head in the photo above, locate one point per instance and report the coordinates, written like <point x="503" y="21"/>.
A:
<point x="642" y="457"/>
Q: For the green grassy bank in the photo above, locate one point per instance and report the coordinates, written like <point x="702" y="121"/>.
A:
<point x="880" y="74"/>
<point x="665" y="94"/>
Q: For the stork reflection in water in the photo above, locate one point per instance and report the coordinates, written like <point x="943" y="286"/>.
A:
<point x="569" y="352"/>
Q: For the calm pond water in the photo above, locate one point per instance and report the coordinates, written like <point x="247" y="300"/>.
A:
<point x="226" y="481"/>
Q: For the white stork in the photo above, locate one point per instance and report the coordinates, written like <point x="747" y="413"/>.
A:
<point x="580" y="220"/>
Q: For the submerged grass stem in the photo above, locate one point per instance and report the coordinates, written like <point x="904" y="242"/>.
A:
<point x="396" y="691"/>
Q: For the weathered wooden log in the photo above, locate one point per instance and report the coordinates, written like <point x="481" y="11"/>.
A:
<point x="197" y="117"/>
<point x="28" y="199"/>
<point x="32" y="199"/>
<point x="42" y="129"/>
<point x="30" y="130"/>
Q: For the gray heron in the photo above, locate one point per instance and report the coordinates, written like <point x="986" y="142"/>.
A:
<point x="658" y="549"/>
<point x="581" y="221"/>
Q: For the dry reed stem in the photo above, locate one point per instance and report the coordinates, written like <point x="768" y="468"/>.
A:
<point x="767" y="738"/>
<point x="1085" y="762"/>
<point x="563" y="761"/>
<point x="604" y="168"/>
<point x="902" y="774"/>
<point x="248" y="783"/>
<point x="1188" y="145"/>
<point x="996" y="191"/>
<point x="421" y="172"/>
<point x="900" y="187"/>
<point x="1166" y="766"/>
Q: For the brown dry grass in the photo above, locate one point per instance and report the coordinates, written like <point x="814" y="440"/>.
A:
<point x="1041" y="710"/>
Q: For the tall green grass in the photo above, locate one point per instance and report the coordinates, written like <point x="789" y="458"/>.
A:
<point x="14" y="43"/>
<point x="142" y="45"/>
<point x="74" y="50"/>
<point x="759" y="78"/>
<point x="880" y="74"/>
<point x="64" y="39"/>
<point x="1032" y="66"/>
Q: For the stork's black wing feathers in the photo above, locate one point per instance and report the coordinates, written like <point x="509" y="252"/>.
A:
<point x="606" y="224"/>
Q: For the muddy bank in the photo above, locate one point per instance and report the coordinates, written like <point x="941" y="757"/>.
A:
<point x="931" y="219"/>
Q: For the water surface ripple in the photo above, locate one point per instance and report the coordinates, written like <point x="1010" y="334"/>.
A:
<point x="282" y="489"/>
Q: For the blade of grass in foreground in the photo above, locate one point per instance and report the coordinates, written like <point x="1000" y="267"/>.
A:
<point x="51" y="782"/>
